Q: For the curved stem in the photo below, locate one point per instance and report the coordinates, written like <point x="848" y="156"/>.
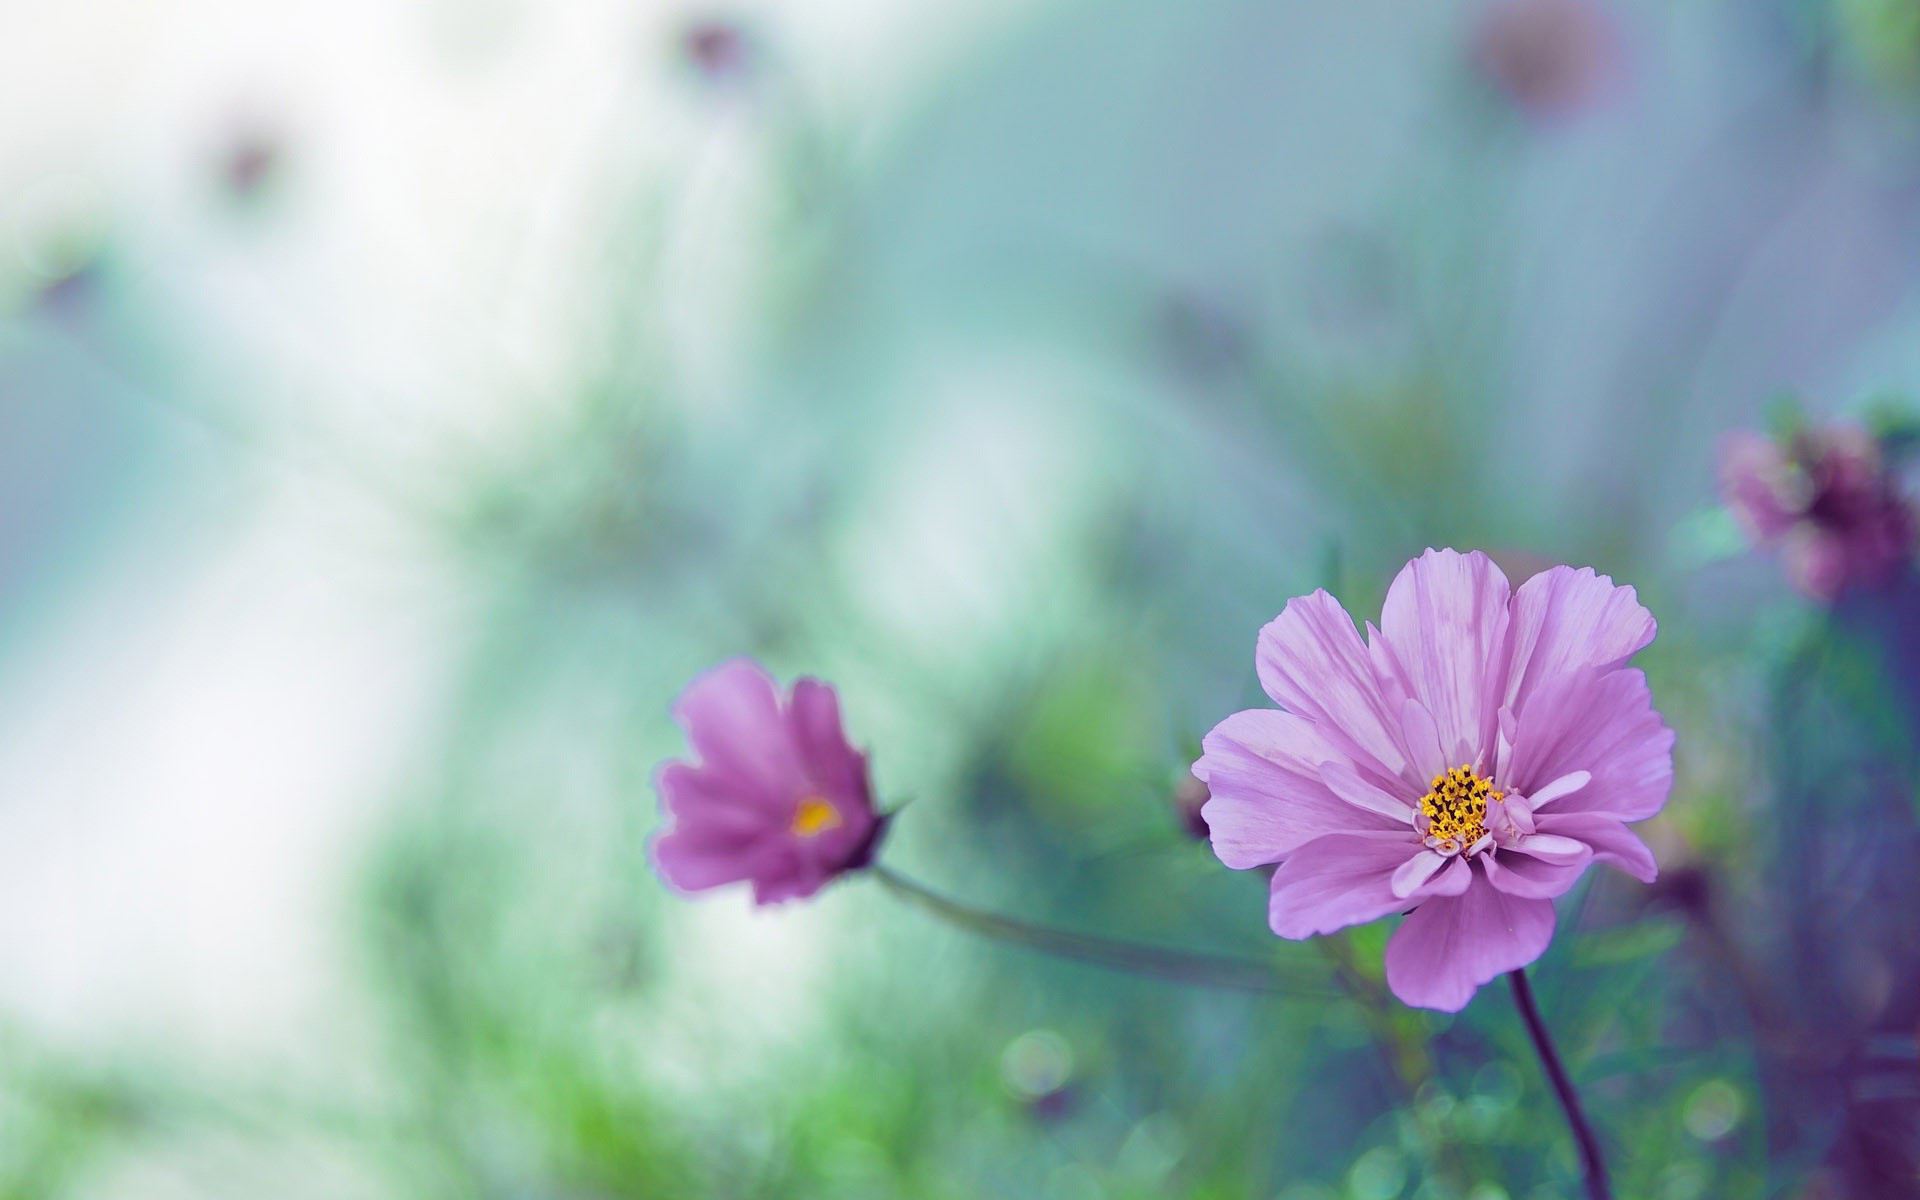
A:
<point x="1158" y="962"/>
<point x="1594" y="1165"/>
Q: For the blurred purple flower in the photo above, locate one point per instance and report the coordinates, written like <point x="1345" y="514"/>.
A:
<point x="1189" y="798"/>
<point x="1467" y="761"/>
<point x="1552" y="58"/>
<point x="778" y="798"/>
<point x="718" y="49"/>
<point x="250" y="164"/>
<point x="1825" y="498"/>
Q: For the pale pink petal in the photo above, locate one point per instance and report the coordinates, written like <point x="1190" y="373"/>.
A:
<point x="1312" y="662"/>
<point x="1613" y="843"/>
<point x="1422" y="740"/>
<point x="1568" y="622"/>
<point x="1345" y="782"/>
<point x="1445" y="619"/>
<point x="1385" y="670"/>
<point x="1262" y="768"/>
<point x="1503" y="744"/>
<point x="1338" y="880"/>
<point x="1566" y="785"/>
<point x="1518" y="875"/>
<point x="1454" y="879"/>
<point x="1416" y="871"/>
<point x="1605" y="725"/>
<point x="1449" y="946"/>
<point x="1511" y="817"/>
<point x="1550" y="848"/>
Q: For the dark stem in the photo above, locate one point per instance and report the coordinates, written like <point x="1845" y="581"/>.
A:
<point x="1158" y="962"/>
<point x="1595" y="1166"/>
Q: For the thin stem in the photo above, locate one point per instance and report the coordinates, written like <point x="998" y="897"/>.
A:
<point x="1158" y="962"/>
<point x="1595" y="1166"/>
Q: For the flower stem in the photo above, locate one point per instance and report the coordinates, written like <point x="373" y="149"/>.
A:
<point x="1158" y="962"/>
<point x="1590" y="1160"/>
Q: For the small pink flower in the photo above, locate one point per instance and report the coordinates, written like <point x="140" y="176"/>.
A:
<point x="718" y="49"/>
<point x="1826" y="500"/>
<point x="1552" y="58"/>
<point x="1467" y="762"/>
<point x="778" y="797"/>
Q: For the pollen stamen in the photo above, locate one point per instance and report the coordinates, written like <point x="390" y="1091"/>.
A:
<point x="1456" y="809"/>
<point x="813" y="817"/>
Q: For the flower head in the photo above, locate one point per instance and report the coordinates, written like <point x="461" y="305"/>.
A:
<point x="1552" y="58"/>
<point x="1467" y="761"/>
<point x="778" y="797"/>
<point x="1825" y="498"/>
<point x="718" y="49"/>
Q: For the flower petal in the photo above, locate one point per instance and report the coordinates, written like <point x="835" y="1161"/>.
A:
<point x="1603" y="724"/>
<point x="1312" y="662"/>
<point x="733" y="720"/>
<point x="1338" y="880"/>
<point x="1422" y="740"/>
<point x="1445" y="619"/>
<point x="1420" y="876"/>
<point x="1568" y="622"/>
<point x="1416" y="871"/>
<point x="1566" y="785"/>
<point x="1550" y="848"/>
<point x="1262" y="767"/>
<point x="1613" y="843"/>
<point x="831" y="763"/>
<point x="1752" y="468"/>
<point x="1535" y="878"/>
<point x="1455" y="879"/>
<point x="1503" y="743"/>
<point x="1816" y="561"/>
<point x="706" y="797"/>
<point x="1345" y="782"/>
<point x="1451" y="945"/>
<point x="694" y="859"/>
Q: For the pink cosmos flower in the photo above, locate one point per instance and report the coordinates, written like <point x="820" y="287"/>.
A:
<point x="1826" y="500"/>
<point x="1466" y="762"/>
<point x="778" y="798"/>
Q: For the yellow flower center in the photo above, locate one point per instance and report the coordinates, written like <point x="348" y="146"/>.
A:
<point x="1456" y="808"/>
<point x="814" y="816"/>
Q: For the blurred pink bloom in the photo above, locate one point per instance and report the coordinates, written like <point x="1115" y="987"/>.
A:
<point x="778" y="798"/>
<point x="1467" y="761"/>
<point x="1189" y="799"/>
<point x="1551" y="57"/>
<point x="718" y="49"/>
<point x="1826" y="500"/>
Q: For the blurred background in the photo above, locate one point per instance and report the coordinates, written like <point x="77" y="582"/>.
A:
<point x="399" y="403"/>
